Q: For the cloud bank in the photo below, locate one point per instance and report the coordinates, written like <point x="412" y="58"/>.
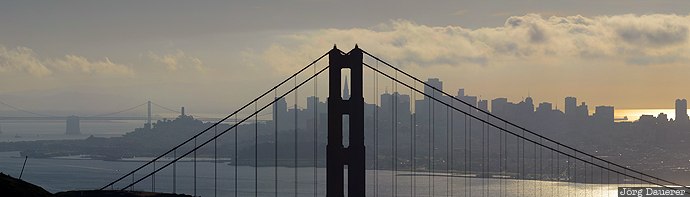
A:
<point x="24" y="60"/>
<point x="657" y="39"/>
<point x="177" y="61"/>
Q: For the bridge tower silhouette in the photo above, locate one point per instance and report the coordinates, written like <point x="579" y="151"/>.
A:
<point x="337" y="155"/>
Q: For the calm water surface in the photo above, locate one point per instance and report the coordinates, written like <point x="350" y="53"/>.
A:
<point x="78" y="174"/>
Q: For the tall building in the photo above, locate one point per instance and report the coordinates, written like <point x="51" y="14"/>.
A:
<point x="402" y="106"/>
<point x="681" y="110"/>
<point x="570" y="107"/>
<point x="73" y="126"/>
<point x="472" y="100"/>
<point x="483" y="105"/>
<point x="312" y="102"/>
<point x="346" y="90"/>
<point x="544" y="107"/>
<point x="386" y="102"/>
<point x="582" y="110"/>
<point x="498" y="106"/>
<point x="280" y="112"/>
<point x="529" y="104"/>
<point x="603" y="115"/>
<point x="433" y="82"/>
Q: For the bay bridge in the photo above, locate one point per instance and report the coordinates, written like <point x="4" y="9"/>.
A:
<point x="72" y="122"/>
<point x="360" y="144"/>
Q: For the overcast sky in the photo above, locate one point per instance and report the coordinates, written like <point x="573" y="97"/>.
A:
<point x="213" y="56"/>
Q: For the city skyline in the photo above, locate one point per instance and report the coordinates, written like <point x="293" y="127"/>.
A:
<point x="629" y="114"/>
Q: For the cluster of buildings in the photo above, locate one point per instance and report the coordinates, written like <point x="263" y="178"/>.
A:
<point x="427" y="110"/>
<point x="426" y="119"/>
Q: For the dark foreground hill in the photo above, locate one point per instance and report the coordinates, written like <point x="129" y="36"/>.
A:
<point x="10" y="186"/>
<point x="111" y="193"/>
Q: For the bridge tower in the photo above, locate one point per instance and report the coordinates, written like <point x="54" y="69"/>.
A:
<point x="72" y="127"/>
<point x="148" y="117"/>
<point x="337" y="155"/>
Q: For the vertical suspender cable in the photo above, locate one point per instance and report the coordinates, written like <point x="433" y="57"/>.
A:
<point x="414" y="142"/>
<point x="488" y="156"/>
<point x="466" y="190"/>
<point x="433" y="144"/>
<point x="256" y="150"/>
<point x="195" y="166"/>
<point x="452" y="150"/>
<point x="236" y="156"/>
<point x="534" y="166"/>
<point x="413" y="145"/>
<point x="431" y="150"/>
<point x="558" y="168"/>
<point x="295" y="162"/>
<point x="447" y="151"/>
<point x="153" y="178"/>
<point x="275" y="145"/>
<point x="523" y="171"/>
<point x="175" y="172"/>
<point x="469" y="155"/>
<point x="483" y="159"/>
<point x="570" y="180"/>
<point x="589" y="184"/>
<point x="376" y="134"/>
<point x="505" y="159"/>
<point x="517" y="164"/>
<point x="500" y="169"/>
<point x="394" y="139"/>
<point x="541" y="167"/>
<point x="316" y="114"/>
<point x="608" y="179"/>
<point x="215" y="162"/>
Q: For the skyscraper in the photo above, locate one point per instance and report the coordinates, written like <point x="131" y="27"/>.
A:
<point x="544" y="107"/>
<point x="570" y="107"/>
<point x="436" y="83"/>
<point x="346" y="90"/>
<point x="483" y="105"/>
<point x="280" y="112"/>
<point x="472" y="100"/>
<point x="681" y="110"/>
<point x="529" y="104"/>
<point x="603" y="115"/>
<point x="582" y="110"/>
<point x="498" y="106"/>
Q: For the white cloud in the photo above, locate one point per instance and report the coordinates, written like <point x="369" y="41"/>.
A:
<point x="22" y="59"/>
<point x="73" y="63"/>
<point x="178" y="60"/>
<point x="25" y="60"/>
<point x="658" y="39"/>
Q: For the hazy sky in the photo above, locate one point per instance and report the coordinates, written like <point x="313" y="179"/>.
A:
<point x="105" y="55"/>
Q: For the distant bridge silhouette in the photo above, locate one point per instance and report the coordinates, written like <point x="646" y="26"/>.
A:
<point x="465" y="149"/>
<point x="73" y="121"/>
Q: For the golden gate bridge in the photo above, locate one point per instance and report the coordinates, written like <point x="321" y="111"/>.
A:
<point x="449" y="148"/>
